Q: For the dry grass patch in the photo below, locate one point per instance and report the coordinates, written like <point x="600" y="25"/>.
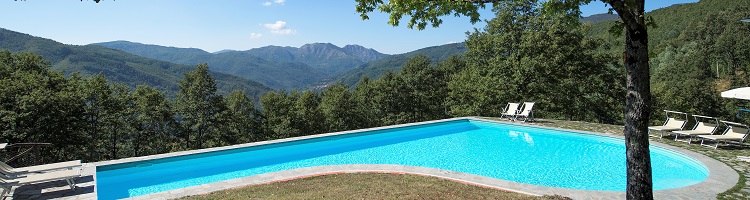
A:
<point x="366" y="186"/>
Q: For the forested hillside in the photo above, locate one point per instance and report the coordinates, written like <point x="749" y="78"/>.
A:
<point x="687" y="44"/>
<point x="600" y="18"/>
<point x="238" y="63"/>
<point x="327" y="58"/>
<point x="117" y="66"/>
<point x="394" y="63"/>
<point x="188" y="56"/>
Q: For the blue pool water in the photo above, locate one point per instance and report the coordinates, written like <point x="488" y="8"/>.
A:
<point x="515" y="153"/>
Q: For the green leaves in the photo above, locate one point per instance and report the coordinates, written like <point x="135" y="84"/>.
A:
<point x="244" y="121"/>
<point x="38" y="104"/>
<point x="154" y="123"/>
<point x="528" y="54"/>
<point x="617" y="28"/>
<point x="339" y="109"/>
<point x="422" y="13"/>
<point x="199" y="106"/>
<point x="279" y="114"/>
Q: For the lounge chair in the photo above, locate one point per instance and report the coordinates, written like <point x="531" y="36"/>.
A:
<point x="527" y="113"/>
<point x="510" y="110"/>
<point x="734" y="132"/>
<point x="9" y="171"/>
<point x="7" y="184"/>
<point x="671" y="124"/>
<point x="700" y="128"/>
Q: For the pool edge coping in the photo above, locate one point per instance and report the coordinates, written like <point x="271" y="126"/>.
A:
<point x="718" y="171"/>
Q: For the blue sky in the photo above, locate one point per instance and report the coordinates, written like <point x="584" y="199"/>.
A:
<point x="233" y="24"/>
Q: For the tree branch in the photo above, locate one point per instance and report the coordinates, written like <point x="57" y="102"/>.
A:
<point x="631" y="18"/>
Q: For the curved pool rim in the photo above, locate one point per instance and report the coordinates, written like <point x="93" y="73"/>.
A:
<point x="721" y="177"/>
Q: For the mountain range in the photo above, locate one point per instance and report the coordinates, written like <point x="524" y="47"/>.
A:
<point x="275" y="66"/>
<point x="291" y="67"/>
<point x="255" y="71"/>
<point x="117" y="66"/>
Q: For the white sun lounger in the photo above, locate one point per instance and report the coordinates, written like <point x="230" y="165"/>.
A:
<point x="510" y="110"/>
<point x="7" y="184"/>
<point x="9" y="171"/>
<point x="704" y="127"/>
<point x="527" y="113"/>
<point x="735" y="132"/>
<point x="671" y="124"/>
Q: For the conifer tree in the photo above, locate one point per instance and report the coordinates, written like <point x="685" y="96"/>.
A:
<point x="198" y="106"/>
<point x="154" y="122"/>
<point x="244" y="121"/>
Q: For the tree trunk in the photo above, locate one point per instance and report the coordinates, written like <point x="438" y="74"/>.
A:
<point x="187" y="137"/>
<point x="199" y="138"/>
<point x="637" y="108"/>
<point x="137" y="143"/>
<point x="95" y="136"/>
<point x="637" y="99"/>
<point x="114" y="146"/>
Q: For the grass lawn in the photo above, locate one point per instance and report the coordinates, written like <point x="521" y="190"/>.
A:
<point x="404" y="186"/>
<point x="366" y="186"/>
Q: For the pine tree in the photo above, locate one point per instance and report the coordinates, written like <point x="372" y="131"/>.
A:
<point x="244" y="123"/>
<point x="198" y="106"/>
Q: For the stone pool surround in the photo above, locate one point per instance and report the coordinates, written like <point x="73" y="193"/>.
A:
<point x="721" y="177"/>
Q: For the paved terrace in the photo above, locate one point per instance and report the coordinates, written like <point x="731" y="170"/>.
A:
<point x="721" y="177"/>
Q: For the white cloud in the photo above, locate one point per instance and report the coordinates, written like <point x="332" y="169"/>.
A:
<point x="279" y="28"/>
<point x="255" y="35"/>
<point x="276" y="26"/>
<point x="268" y="3"/>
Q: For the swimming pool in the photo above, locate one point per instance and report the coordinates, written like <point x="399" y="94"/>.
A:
<point x="516" y="153"/>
